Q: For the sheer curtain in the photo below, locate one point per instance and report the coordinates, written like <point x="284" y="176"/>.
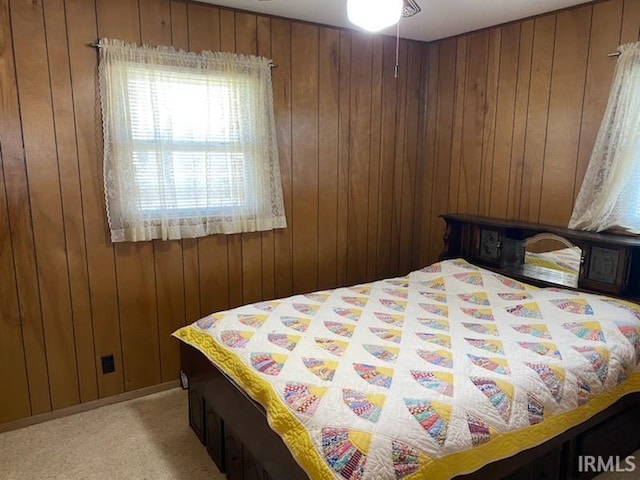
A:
<point x="189" y="143"/>
<point x="610" y="194"/>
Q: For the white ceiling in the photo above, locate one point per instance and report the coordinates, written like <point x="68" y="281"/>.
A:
<point x="438" y="18"/>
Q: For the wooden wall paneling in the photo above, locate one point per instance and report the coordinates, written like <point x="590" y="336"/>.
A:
<point x="425" y="164"/>
<point x="359" y="151"/>
<point x="473" y="123"/>
<point x="565" y="112"/>
<point x="213" y="257"/>
<point x="630" y="22"/>
<point x="398" y="160"/>
<point x="425" y="209"/>
<point x="328" y="115"/>
<point x="119" y="19"/>
<point x="525" y="54"/>
<point x="247" y="44"/>
<point x="179" y="24"/>
<point x="501" y="176"/>
<point x="281" y="78"/>
<point x="13" y="369"/>
<point x="376" y="132"/>
<point x="34" y="93"/>
<point x="155" y="29"/>
<point x="234" y="242"/>
<point x="389" y="102"/>
<point x="537" y="118"/>
<point x="344" y="85"/>
<point x="267" y="242"/>
<point x="20" y="223"/>
<point x="155" y="22"/>
<point x="304" y="142"/>
<point x="65" y="137"/>
<point x="490" y="117"/>
<point x="444" y="70"/>
<point x="170" y="296"/>
<point x="191" y="278"/>
<point x="422" y="86"/>
<point x="204" y="27"/>
<point x="415" y="99"/>
<point x="599" y="76"/>
<point x="246" y="33"/>
<point x="81" y="30"/>
<point x="135" y="267"/>
<point x="421" y="155"/>
<point x="462" y="52"/>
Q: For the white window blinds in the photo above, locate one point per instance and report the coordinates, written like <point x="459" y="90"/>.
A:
<point x="190" y="143"/>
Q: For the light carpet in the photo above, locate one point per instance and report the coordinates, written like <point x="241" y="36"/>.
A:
<point x="146" y="438"/>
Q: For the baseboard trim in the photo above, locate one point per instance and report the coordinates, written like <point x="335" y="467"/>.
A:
<point x="84" y="407"/>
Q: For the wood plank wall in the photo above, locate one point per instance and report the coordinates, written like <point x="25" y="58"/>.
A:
<point x="513" y="113"/>
<point x="350" y="136"/>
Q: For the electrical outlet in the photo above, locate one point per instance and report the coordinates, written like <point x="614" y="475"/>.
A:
<point x="108" y="365"/>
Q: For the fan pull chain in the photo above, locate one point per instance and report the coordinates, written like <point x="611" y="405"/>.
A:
<point x="395" y="69"/>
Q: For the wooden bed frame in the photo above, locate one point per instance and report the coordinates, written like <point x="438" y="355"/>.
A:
<point x="234" y="429"/>
<point x="237" y="437"/>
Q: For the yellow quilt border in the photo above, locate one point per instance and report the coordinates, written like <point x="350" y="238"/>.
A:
<point x="299" y="442"/>
<point x="280" y="418"/>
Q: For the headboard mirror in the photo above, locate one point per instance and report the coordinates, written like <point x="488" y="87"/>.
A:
<point x="546" y="255"/>
<point x="553" y="258"/>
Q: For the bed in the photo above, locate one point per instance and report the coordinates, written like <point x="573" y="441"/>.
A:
<point x="451" y="370"/>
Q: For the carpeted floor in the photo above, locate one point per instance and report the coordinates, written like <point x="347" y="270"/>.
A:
<point x="146" y="438"/>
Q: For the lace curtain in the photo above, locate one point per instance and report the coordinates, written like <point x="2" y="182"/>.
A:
<point x="610" y="194"/>
<point x="189" y="143"/>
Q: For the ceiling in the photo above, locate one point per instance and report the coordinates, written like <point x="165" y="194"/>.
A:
<point x="438" y="18"/>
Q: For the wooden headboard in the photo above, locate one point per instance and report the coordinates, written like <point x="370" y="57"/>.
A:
<point x="608" y="264"/>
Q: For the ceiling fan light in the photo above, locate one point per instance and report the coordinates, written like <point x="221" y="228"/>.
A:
<point x="374" y="15"/>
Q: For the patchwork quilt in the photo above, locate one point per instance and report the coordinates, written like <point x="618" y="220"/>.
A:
<point x="425" y="376"/>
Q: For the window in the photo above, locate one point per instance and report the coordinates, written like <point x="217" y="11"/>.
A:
<point x="630" y="199"/>
<point x="609" y="197"/>
<point x="189" y="143"/>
